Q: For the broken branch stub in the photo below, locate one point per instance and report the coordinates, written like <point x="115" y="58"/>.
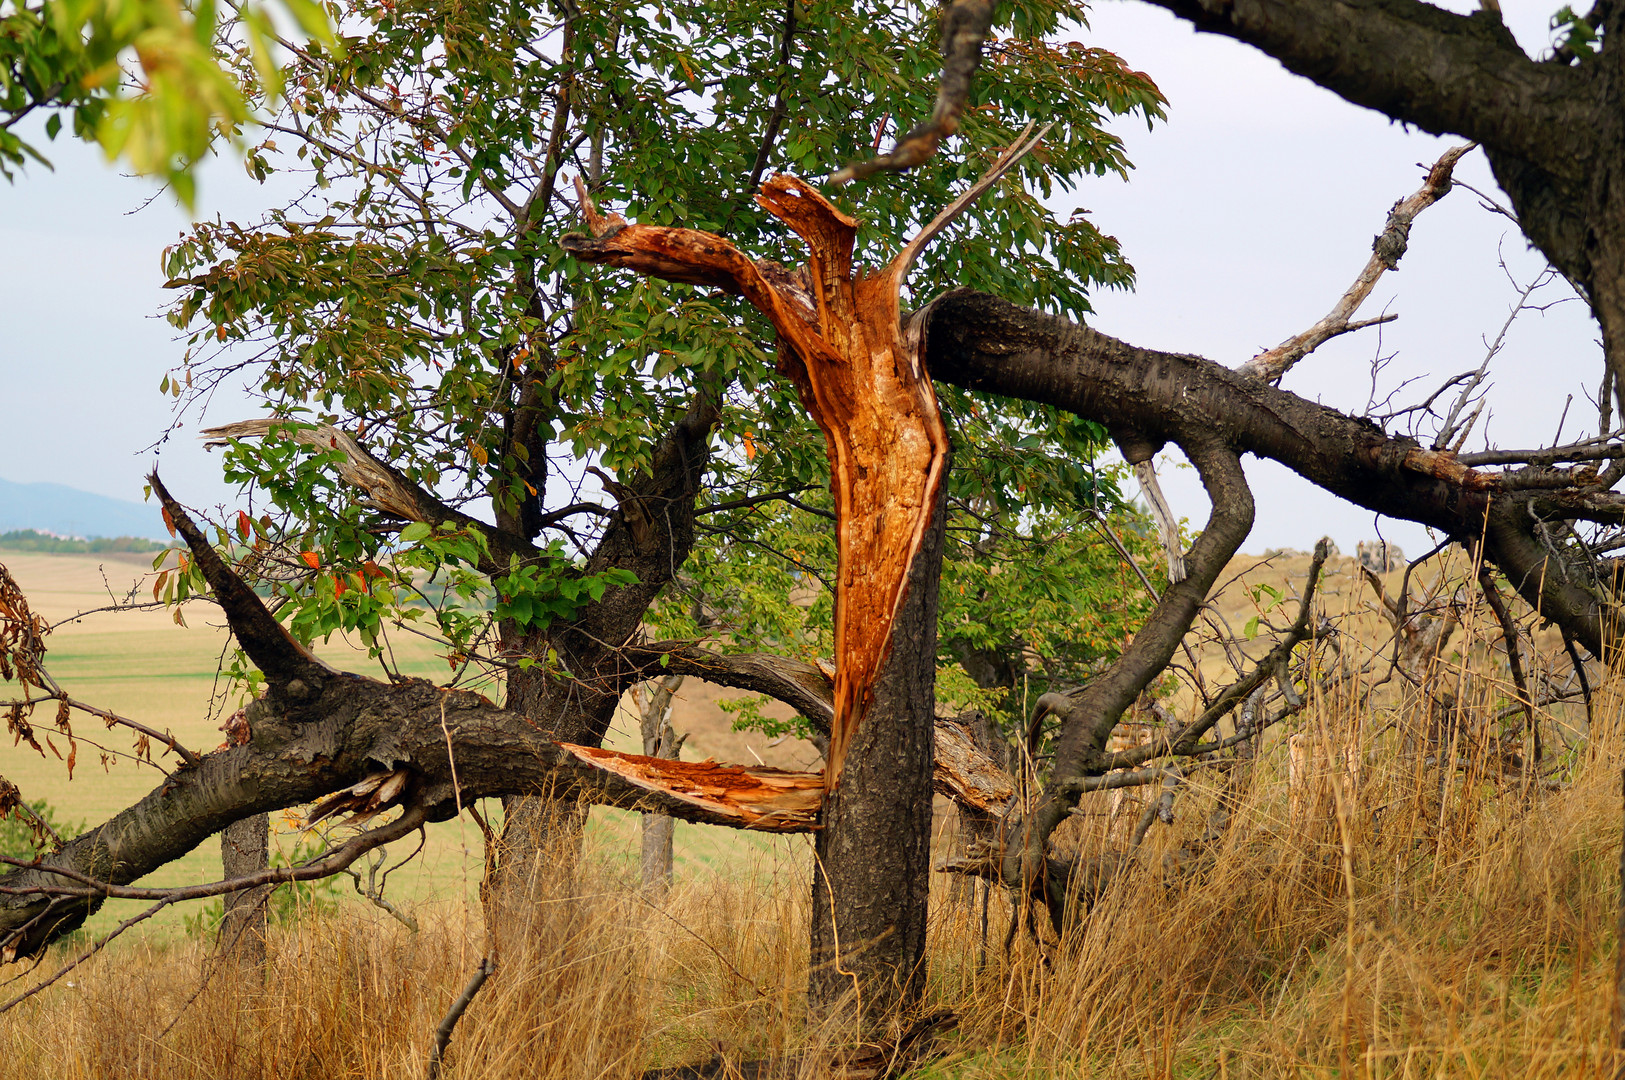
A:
<point x="858" y="372"/>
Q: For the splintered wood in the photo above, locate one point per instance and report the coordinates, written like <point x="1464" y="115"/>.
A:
<point x="759" y="797"/>
<point x="844" y="346"/>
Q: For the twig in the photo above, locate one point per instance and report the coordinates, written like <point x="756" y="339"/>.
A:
<point x="442" y="1034"/>
<point x="1509" y="634"/>
<point x="191" y="759"/>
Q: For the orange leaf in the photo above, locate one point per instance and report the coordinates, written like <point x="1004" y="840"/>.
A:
<point x="750" y="446"/>
<point x="312" y="560"/>
<point x="244" y="525"/>
<point x="169" y="522"/>
<point x="340" y="586"/>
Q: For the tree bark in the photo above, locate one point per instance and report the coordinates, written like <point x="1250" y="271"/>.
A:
<point x="1150" y="397"/>
<point x="659" y="830"/>
<point x="872" y="857"/>
<point x="245" y="847"/>
<point x="857" y="368"/>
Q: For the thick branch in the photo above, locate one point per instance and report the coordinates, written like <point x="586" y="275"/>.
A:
<point x="291" y="668"/>
<point x="1081" y="748"/>
<point x="983" y="343"/>
<point x="1445" y="73"/>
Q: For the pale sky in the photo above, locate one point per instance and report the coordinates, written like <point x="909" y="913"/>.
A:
<point x="1250" y="212"/>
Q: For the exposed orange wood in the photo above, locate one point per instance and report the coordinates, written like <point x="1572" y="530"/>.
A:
<point x="844" y="347"/>
<point x="857" y="368"/>
<point x="758" y="797"/>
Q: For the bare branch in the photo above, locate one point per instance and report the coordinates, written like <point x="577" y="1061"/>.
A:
<point x="1386" y="251"/>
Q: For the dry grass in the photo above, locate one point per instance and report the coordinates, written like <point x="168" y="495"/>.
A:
<point x="1398" y="927"/>
<point x="1388" y="920"/>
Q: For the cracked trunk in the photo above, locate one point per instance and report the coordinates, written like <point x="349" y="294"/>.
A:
<point x="857" y="369"/>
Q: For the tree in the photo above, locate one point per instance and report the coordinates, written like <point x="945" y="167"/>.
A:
<point x="427" y="342"/>
<point x="1545" y="517"/>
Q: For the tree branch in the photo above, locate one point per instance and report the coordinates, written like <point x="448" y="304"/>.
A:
<point x="1445" y="73"/>
<point x="1386" y="251"/>
<point x="965" y="28"/>
<point x="386" y="487"/>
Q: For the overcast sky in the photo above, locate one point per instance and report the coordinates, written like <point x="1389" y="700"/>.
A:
<point x="1250" y="212"/>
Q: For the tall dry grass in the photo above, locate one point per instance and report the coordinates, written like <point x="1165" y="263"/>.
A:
<point x="1403" y="921"/>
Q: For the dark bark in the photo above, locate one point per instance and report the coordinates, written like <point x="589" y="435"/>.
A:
<point x="872" y="856"/>
<point x="245" y="847"/>
<point x="983" y="343"/>
<point x="1081" y="749"/>
<point x="1554" y="131"/>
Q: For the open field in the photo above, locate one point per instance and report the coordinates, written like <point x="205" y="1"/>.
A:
<point x="142" y="665"/>
<point x="1378" y="918"/>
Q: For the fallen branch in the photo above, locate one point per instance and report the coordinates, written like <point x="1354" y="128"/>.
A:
<point x="1386" y="251"/>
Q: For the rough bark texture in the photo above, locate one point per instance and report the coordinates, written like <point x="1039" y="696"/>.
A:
<point x="245" y="847"/>
<point x="983" y="343"/>
<point x="856" y="366"/>
<point x="1554" y="131"/>
<point x="650" y="534"/>
<point x="872" y="857"/>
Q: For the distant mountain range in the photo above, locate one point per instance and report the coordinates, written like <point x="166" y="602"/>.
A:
<point x="68" y="511"/>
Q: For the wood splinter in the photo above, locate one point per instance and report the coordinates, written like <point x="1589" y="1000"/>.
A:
<point x="856" y="365"/>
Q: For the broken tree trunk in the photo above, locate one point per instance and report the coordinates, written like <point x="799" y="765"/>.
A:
<point x="856" y="366"/>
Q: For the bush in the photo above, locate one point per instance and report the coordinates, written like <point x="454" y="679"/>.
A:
<point x="21" y="839"/>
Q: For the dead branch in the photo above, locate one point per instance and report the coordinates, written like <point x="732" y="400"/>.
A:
<point x="1386" y="251"/>
<point x="385" y="487"/>
<point x="448" y="1023"/>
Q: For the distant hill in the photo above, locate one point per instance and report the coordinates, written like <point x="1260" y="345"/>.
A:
<point x="69" y="512"/>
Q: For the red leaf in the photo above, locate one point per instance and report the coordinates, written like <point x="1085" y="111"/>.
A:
<point x="244" y="525"/>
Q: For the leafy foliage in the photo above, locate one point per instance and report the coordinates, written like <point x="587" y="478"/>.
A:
<point x="20" y="836"/>
<point x="419" y="299"/>
<point x="78" y="56"/>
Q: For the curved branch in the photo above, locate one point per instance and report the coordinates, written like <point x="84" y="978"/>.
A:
<point x="965" y="28"/>
<point x="1445" y="73"/>
<point x="1095" y="711"/>
<point x="984" y="343"/>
